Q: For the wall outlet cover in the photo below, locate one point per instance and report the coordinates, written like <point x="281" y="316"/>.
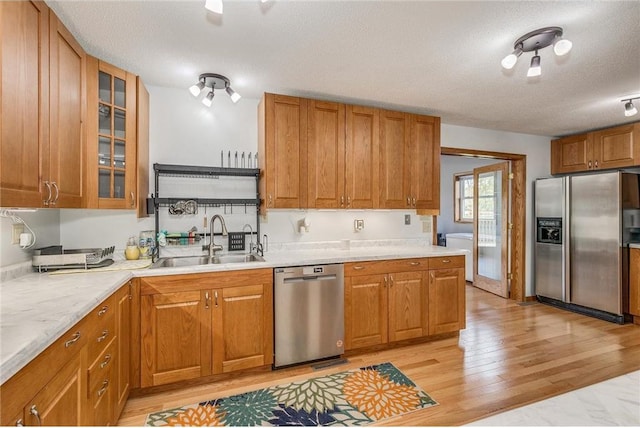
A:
<point x="407" y="219"/>
<point x="17" y="230"/>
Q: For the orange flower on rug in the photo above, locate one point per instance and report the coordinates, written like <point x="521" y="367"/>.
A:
<point x="353" y="397"/>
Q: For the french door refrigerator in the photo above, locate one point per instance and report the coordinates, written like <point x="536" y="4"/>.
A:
<point x="584" y="224"/>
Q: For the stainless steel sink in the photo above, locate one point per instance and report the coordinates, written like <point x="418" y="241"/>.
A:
<point x="165" y="262"/>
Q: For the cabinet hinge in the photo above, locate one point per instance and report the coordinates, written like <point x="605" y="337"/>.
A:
<point x="509" y="276"/>
<point x="510" y="176"/>
<point x="510" y="226"/>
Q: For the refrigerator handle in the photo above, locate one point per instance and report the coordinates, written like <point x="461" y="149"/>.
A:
<point x="566" y="239"/>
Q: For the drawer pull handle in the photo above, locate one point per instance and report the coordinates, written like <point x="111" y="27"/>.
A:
<point x="446" y="261"/>
<point x="19" y="423"/>
<point x="102" y="390"/>
<point x="74" y="339"/>
<point x="107" y="358"/>
<point x="414" y="263"/>
<point x="391" y="280"/>
<point x="386" y="281"/>
<point x="103" y="336"/>
<point x="358" y="267"/>
<point x="103" y="310"/>
<point x="207" y="300"/>
<point x="215" y="297"/>
<point x="34" y="411"/>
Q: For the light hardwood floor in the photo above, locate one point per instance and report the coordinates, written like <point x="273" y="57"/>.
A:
<point x="508" y="356"/>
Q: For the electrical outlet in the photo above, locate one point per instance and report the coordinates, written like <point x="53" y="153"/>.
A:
<point x="407" y="219"/>
<point x="358" y="225"/>
<point x="17" y="230"/>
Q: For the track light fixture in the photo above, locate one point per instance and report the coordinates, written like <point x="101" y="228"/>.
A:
<point x="629" y="108"/>
<point x="534" y="41"/>
<point x="213" y="81"/>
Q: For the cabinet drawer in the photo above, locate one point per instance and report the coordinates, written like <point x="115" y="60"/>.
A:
<point x="100" y="371"/>
<point x="100" y="336"/>
<point x="446" y="262"/>
<point x="385" y="266"/>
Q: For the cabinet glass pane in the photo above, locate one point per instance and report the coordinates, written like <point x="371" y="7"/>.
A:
<point x="104" y="151"/>
<point x="118" y="184"/>
<point x="104" y="87"/>
<point x="104" y="118"/>
<point x="119" y="123"/>
<point x="119" y="94"/>
<point x="118" y="153"/>
<point x="104" y="183"/>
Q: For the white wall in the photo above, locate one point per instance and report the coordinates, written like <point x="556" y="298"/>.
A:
<point x="185" y="132"/>
<point x="450" y="165"/>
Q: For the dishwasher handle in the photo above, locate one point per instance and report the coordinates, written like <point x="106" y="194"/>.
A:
<point x="310" y="278"/>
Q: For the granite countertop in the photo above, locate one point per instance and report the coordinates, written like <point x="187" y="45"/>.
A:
<point x="635" y="246"/>
<point x="38" y="308"/>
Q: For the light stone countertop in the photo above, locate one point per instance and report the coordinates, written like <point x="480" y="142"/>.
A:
<point x="38" y="308"/>
<point x="634" y="246"/>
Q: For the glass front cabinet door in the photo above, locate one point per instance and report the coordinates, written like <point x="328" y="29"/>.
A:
<point x="111" y="137"/>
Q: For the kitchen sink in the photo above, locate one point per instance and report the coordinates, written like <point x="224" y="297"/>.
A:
<point x="165" y="262"/>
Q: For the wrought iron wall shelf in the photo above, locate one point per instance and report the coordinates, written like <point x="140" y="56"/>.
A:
<point x="206" y="172"/>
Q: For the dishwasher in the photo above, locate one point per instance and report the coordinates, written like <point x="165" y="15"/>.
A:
<point x="309" y="313"/>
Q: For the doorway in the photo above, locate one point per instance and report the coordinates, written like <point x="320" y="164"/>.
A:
<point x="513" y="260"/>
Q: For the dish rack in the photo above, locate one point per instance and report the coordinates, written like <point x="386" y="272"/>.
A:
<point x="54" y="257"/>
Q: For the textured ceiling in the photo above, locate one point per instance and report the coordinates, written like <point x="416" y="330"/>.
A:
<point x="432" y="57"/>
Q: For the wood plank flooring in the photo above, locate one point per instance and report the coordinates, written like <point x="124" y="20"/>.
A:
<point x="508" y="356"/>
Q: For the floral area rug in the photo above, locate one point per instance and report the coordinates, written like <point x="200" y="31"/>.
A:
<point x="354" y="397"/>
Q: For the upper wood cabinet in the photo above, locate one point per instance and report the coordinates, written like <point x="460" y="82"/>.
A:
<point x="282" y="145"/>
<point x="410" y="161"/>
<point x="425" y="164"/>
<point x="117" y="160"/>
<point x="43" y="109"/>
<point x="617" y="147"/>
<point x="347" y="156"/>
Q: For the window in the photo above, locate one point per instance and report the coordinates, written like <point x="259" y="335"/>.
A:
<point x="463" y="197"/>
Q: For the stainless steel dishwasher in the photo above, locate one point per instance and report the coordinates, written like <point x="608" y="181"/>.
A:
<point x="309" y="313"/>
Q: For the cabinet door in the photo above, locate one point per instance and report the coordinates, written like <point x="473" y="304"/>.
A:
<point x="425" y="155"/>
<point x="242" y="327"/>
<point x="282" y="135"/>
<point x="176" y="337"/>
<point x="326" y="154"/>
<point x="60" y="401"/>
<point x="408" y="305"/>
<point x="617" y="147"/>
<point x="395" y="167"/>
<point x="571" y="154"/>
<point x="111" y="137"/>
<point x="634" y="282"/>
<point x="362" y="157"/>
<point x="446" y="300"/>
<point x="24" y="102"/>
<point x="366" y="311"/>
<point x="123" y="336"/>
<point x="67" y="107"/>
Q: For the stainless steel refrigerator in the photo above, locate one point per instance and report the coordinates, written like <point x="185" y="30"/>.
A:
<point x="584" y="224"/>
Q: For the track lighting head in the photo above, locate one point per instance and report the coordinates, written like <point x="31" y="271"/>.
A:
<point x="629" y="108"/>
<point x="213" y="81"/>
<point x="534" y="41"/>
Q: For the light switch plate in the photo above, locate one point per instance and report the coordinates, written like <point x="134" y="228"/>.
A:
<point x="407" y="219"/>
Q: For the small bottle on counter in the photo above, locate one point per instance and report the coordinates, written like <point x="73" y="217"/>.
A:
<point x="132" y="252"/>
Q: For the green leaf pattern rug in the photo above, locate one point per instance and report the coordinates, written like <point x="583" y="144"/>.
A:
<point x="354" y="397"/>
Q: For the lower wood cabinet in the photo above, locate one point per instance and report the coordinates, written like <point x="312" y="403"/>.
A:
<point x="197" y="325"/>
<point x="76" y="380"/>
<point x="393" y="300"/>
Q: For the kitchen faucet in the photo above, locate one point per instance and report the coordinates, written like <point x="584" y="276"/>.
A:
<point x="212" y="247"/>
<point x="250" y="235"/>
